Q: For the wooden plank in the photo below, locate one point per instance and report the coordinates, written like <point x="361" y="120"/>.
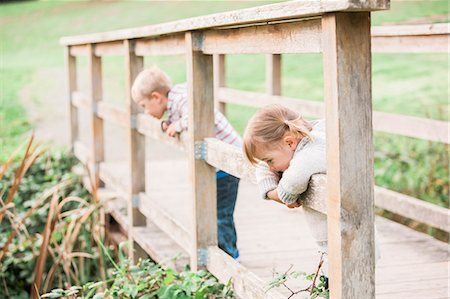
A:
<point x="160" y="247"/>
<point x="347" y="77"/>
<point x="79" y="50"/>
<point x="234" y="96"/>
<point x="94" y="96"/>
<point x="114" y="113"/>
<point x="110" y="49"/>
<point x="219" y="80"/>
<point x="411" y="44"/>
<point x="119" y="182"/>
<point x="164" y="221"/>
<point x="201" y="125"/>
<point x="81" y="151"/>
<point x="151" y="127"/>
<point x="410" y="30"/>
<point x="245" y="283"/>
<point x="80" y="100"/>
<point x="71" y="71"/>
<point x="296" y="37"/>
<point x="136" y="146"/>
<point x="426" y="38"/>
<point x="261" y="14"/>
<point x="173" y="44"/>
<point x="413" y="208"/>
<point x="273" y="74"/>
<point x="410" y="126"/>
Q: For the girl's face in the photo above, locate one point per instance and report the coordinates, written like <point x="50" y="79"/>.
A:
<point x="280" y="156"/>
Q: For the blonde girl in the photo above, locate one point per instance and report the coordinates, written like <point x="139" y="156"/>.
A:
<point x="287" y="150"/>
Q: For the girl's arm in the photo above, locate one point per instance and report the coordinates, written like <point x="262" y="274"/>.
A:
<point x="308" y="161"/>
<point x="266" y="179"/>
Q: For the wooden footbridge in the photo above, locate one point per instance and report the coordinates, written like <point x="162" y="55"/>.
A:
<point x="167" y="206"/>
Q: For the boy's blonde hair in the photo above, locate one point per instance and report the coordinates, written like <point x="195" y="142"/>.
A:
<point x="267" y="128"/>
<point x="148" y="81"/>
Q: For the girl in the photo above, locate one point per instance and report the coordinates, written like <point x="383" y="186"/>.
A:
<point x="287" y="150"/>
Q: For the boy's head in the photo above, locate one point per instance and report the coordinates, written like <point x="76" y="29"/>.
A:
<point x="150" y="90"/>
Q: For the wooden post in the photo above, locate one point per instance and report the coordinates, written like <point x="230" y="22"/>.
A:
<point x="348" y="99"/>
<point x="201" y="125"/>
<point x="219" y="80"/>
<point x="71" y="68"/>
<point x="273" y="74"/>
<point x="136" y="145"/>
<point x="95" y="96"/>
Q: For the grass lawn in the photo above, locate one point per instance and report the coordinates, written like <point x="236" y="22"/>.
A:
<point x="411" y="84"/>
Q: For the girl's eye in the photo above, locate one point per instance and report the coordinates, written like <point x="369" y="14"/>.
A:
<point x="269" y="161"/>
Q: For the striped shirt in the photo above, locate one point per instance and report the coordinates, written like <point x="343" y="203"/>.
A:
<point x="177" y="112"/>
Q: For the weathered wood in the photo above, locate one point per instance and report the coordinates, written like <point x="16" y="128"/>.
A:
<point x="427" y="38"/>
<point x="413" y="208"/>
<point x="151" y="127"/>
<point x="273" y="74"/>
<point x="219" y="80"/>
<point x="411" y="44"/>
<point x="81" y="151"/>
<point x="173" y="44"/>
<point x="160" y="247"/>
<point x="136" y="144"/>
<point x="110" y="49"/>
<point x="262" y="14"/>
<point x="80" y="100"/>
<point x="348" y="98"/>
<point x="410" y="30"/>
<point x="411" y="126"/>
<point x="245" y="283"/>
<point x="201" y="125"/>
<point x="114" y="113"/>
<point x="94" y="96"/>
<point x="297" y="37"/>
<point x="79" y="50"/>
<point x="164" y="221"/>
<point x="71" y="79"/>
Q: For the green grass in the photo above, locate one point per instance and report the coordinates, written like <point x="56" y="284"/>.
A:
<point x="411" y="84"/>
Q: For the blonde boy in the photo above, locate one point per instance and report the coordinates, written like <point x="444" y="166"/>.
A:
<point x="153" y="91"/>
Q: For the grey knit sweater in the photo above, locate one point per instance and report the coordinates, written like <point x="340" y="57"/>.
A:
<point x="309" y="158"/>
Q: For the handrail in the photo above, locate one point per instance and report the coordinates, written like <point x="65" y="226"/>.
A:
<point x="249" y="16"/>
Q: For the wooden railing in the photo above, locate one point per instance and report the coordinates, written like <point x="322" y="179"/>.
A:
<point x="341" y="31"/>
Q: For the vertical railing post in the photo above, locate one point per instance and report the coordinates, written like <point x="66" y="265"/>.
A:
<point x="348" y="99"/>
<point x="201" y="125"/>
<point x="95" y="95"/>
<point x="136" y="147"/>
<point x="71" y="68"/>
<point x="219" y="80"/>
<point x="273" y="74"/>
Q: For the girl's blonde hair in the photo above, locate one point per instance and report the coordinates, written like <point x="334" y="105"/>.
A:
<point x="148" y="81"/>
<point x="268" y="126"/>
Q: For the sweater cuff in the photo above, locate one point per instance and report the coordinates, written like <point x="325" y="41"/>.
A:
<point x="285" y="196"/>
<point x="266" y="185"/>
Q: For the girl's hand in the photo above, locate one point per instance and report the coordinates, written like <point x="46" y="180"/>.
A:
<point x="293" y="205"/>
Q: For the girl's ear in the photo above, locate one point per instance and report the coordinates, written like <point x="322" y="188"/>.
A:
<point x="290" y="141"/>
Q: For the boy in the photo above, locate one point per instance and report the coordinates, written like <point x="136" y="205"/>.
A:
<point x="153" y="91"/>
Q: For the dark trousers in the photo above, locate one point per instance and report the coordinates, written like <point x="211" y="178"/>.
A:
<point x="227" y="188"/>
